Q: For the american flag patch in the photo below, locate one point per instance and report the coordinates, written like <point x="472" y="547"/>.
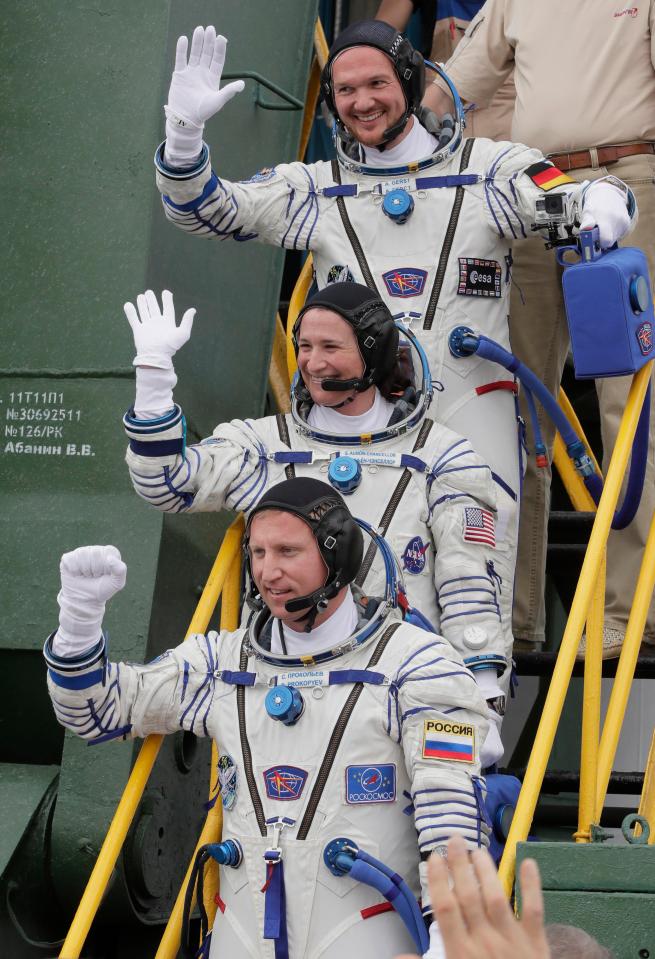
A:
<point x="479" y="526"/>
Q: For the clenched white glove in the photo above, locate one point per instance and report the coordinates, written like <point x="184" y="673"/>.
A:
<point x="90" y="575"/>
<point x="195" y="94"/>
<point x="604" y="205"/>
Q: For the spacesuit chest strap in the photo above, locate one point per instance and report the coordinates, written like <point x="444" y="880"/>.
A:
<point x="350" y="233"/>
<point x="392" y="505"/>
<point x="337" y="735"/>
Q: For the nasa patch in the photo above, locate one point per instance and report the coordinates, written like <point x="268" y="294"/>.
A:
<point x="284" y="783"/>
<point x="414" y="555"/>
<point x="340" y="274"/>
<point x="404" y="282"/>
<point x="478" y="277"/>
<point x="266" y="173"/>
<point x="645" y="338"/>
<point x="368" y="784"/>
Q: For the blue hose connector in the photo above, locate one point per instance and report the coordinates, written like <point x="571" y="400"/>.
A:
<point x="285" y="704"/>
<point x="398" y="205"/>
<point x="345" y="474"/>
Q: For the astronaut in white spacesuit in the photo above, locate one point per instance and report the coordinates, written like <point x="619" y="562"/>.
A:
<point x="409" y="207"/>
<point x="362" y="733"/>
<point x="416" y="482"/>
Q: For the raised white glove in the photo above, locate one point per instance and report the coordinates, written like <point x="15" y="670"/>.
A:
<point x="195" y="94"/>
<point x="156" y="337"/>
<point x="604" y="205"/>
<point x="90" y="575"/>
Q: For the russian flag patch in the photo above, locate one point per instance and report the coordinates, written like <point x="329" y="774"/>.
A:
<point x="454" y="742"/>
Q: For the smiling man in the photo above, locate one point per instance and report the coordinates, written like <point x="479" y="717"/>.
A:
<point x="360" y="402"/>
<point x="340" y="731"/>
<point x="422" y="216"/>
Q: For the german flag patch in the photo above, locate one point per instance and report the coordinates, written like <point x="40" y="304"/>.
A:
<point x="546" y="176"/>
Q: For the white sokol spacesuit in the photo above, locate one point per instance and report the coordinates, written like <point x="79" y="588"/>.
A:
<point x="383" y="745"/>
<point x="420" y="485"/>
<point x="427" y="223"/>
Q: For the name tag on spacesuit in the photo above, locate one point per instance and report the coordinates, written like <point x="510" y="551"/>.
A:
<point x="304" y="677"/>
<point x="373" y="457"/>
<point x="443" y="739"/>
<point x="396" y="183"/>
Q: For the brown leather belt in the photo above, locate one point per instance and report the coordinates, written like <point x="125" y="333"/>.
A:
<point x="605" y="155"/>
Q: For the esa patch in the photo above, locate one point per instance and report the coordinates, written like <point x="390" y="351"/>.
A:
<point x="414" y="555"/>
<point x="645" y="338"/>
<point x="478" y="277"/>
<point x="340" y="274"/>
<point x="266" y="173"/>
<point x="479" y="526"/>
<point x="404" y="282"/>
<point x="443" y="739"/>
<point x="546" y="176"/>
<point x="368" y="784"/>
<point x="284" y="782"/>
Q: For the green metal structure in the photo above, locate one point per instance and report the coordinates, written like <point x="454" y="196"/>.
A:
<point x="83" y="232"/>
<point x="605" y="890"/>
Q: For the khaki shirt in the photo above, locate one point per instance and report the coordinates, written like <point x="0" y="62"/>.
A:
<point x="491" y="119"/>
<point x="584" y="71"/>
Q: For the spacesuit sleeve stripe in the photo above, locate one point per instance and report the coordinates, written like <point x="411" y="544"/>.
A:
<point x="431" y="662"/>
<point x="468" y="602"/>
<point x="114" y="734"/>
<point x="471" y="612"/>
<point x="442" y="789"/>
<point x="449" y="496"/>
<point x="504" y="486"/>
<point x="470" y="589"/>
<point x="460" y="469"/>
<point x="209" y="188"/>
<point x="416" y="653"/>
<point x="461" y="579"/>
<point x="76" y="682"/>
<point x="158" y="447"/>
<point x="433" y="676"/>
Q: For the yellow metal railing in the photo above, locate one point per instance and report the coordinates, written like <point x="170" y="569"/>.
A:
<point x="223" y="570"/>
<point x="596" y="760"/>
<point x="280" y="375"/>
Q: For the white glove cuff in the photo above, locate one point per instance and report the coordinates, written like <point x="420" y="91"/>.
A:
<point x="487" y="680"/>
<point x="183" y="141"/>
<point x="154" y="392"/>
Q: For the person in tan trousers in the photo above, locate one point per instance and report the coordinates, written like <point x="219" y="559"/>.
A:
<point x="594" y="118"/>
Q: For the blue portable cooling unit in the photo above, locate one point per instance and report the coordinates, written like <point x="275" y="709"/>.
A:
<point x="609" y="308"/>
